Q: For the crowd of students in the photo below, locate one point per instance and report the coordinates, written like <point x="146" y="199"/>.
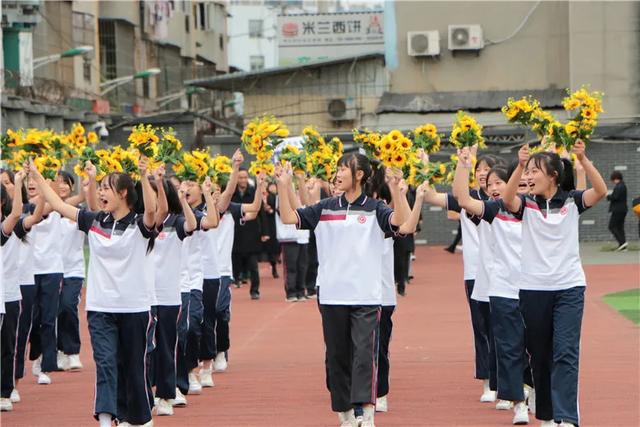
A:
<point x="163" y="257"/>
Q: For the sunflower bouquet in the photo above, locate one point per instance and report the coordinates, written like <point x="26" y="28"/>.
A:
<point x="144" y="139"/>
<point x="312" y="139"/>
<point x="192" y="166"/>
<point x="297" y="158"/>
<point x="260" y="137"/>
<point x="394" y="149"/>
<point x="369" y="141"/>
<point x="169" y="146"/>
<point x="48" y="166"/>
<point x="265" y="167"/>
<point x="427" y="138"/>
<point x="220" y="169"/>
<point x="453" y="163"/>
<point x="128" y="159"/>
<point x="586" y="106"/>
<point x="466" y="132"/>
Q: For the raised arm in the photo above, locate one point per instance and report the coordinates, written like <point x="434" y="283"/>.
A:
<point x="227" y="194"/>
<point x="599" y="188"/>
<point x="77" y="199"/>
<point x="148" y="195"/>
<point x="16" y="207"/>
<point x="461" y="184"/>
<point x="511" y="201"/>
<point x="190" y="222"/>
<point x="36" y="216"/>
<point x="212" y="219"/>
<point x="303" y="192"/>
<point x="285" y="209"/>
<point x="92" y="187"/>
<point x="409" y="227"/>
<point x="581" y="177"/>
<point x="293" y="197"/>
<point x="50" y="196"/>
<point x="401" y="209"/>
<point x="162" y="208"/>
<point x="315" y="191"/>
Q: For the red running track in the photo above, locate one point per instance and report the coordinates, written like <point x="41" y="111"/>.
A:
<point x="276" y="373"/>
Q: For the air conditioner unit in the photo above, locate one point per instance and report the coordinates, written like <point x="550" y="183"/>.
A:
<point x="465" y="37"/>
<point x="342" y="109"/>
<point x="423" y="43"/>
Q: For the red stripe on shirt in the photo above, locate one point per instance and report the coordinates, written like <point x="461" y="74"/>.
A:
<point x="327" y="217"/>
<point x="507" y="218"/>
<point x="532" y="205"/>
<point x="99" y="231"/>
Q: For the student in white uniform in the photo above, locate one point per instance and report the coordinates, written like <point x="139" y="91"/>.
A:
<point x="552" y="282"/>
<point x="174" y="222"/>
<point x="14" y="229"/>
<point x="119" y="283"/>
<point x="74" y="265"/>
<point x="388" y="301"/>
<point x="505" y="237"/>
<point x="485" y="367"/>
<point x="350" y="237"/>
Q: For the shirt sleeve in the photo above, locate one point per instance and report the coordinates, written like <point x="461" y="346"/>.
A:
<point x="579" y="200"/>
<point x="4" y="237"/>
<point x="146" y="233"/>
<point x="309" y="216"/>
<point x="383" y="215"/>
<point x="179" y="224"/>
<point x="452" y="203"/>
<point x="490" y="210"/>
<point x="236" y="211"/>
<point x="85" y="219"/>
<point x="523" y="205"/>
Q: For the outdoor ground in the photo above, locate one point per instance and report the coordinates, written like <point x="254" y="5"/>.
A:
<point x="276" y="373"/>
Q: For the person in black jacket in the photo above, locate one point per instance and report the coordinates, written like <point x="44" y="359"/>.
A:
<point x="271" y="247"/>
<point x="618" y="208"/>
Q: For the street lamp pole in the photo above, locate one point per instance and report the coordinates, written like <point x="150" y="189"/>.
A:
<point x="76" y="51"/>
<point x="109" y="85"/>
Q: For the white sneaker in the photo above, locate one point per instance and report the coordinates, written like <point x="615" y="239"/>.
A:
<point x="74" y="362"/>
<point x="62" y="361"/>
<point x="194" y="385"/>
<point x="531" y="401"/>
<point x="44" y="379"/>
<point x="180" y="400"/>
<point x="220" y="364"/>
<point x="488" y="395"/>
<point x="566" y="424"/>
<point x="5" y="405"/>
<point x="381" y="404"/>
<point x="36" y="367"/>
<point x="368" y="413"/>
<point x="347" y="419"/>
<point x="164" y="408"/>
<point x="549" y="423"/>
<point x="15" y="396"/>
<point x="206" y="379"/>
<point x="504" y="405"/>
<point x="520" y="414"/>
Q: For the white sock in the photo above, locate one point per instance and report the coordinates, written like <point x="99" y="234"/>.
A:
<point x="104" y="419"/>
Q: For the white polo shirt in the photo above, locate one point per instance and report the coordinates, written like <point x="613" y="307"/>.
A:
<point x="226" y="233"/>
<point x="11" y="263"/>
<point x="47" y="245"/>
<point x="485" y="262"/>
<point x="209" y="242"/>
<point x="470" y="242"/>
<point x="507" y="249"/>
<point x="550" y="244"/>
<point x="167" y="257"/>
<point x="120" y="278"/>
<point x="191" y="259"/>
<point x="72" y="243"/>
<point x="350" y="241"/>
<point x="388" y="279"/>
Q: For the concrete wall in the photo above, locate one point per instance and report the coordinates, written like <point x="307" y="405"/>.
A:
<point x="51" y="36"/>
<point x="605" y="52"/>
<point x="241" y="46"/>
<point x="438" y="230"/>
<point x="301" y="98"/>
<point x="536" y="58"/>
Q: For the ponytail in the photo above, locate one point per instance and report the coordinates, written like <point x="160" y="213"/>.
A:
<point x="567" y="181"/>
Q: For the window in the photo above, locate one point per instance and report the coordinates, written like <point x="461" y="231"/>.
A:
<point x="186" y="23"/>
<point x="256" y="62"/>
<point x="145" y="88"/>
<point x="107" y="36"/>
<point x="255" y="28"/>
<point x="86" y="70"/>
<point x="221" y="39"/>
<point x="202" y="16"/>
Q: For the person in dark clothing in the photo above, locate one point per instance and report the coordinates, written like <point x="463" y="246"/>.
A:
<point x="271" y="247"/>
<point x="249" y="237"/>
<point x="618" y="208"/>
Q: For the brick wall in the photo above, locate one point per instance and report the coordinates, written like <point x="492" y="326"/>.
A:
<point x="438" y="230"/>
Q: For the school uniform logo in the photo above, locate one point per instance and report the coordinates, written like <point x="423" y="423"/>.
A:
<point x="362" y="219"/>
<point x="564" y="210"/>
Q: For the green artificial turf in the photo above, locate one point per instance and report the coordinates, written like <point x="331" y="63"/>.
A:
<point x="627" y="303"/>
